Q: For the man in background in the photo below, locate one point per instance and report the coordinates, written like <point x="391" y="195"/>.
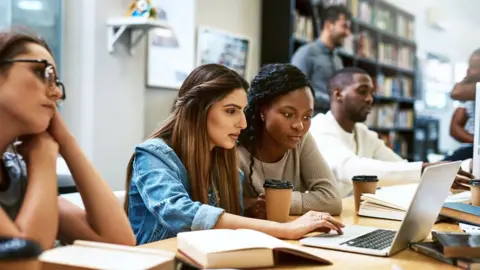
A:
<point x="318" y="59"/>
<point x="465" y="90"/>
<point x="462" y="128"/>
<point x="349" y="147"/>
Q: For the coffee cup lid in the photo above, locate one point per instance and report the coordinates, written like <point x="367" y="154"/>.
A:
<point x="475" y="182"/>
<point x="18" y="249"/>
<point x="277" y="184"/>
<point x="365" y="178"/>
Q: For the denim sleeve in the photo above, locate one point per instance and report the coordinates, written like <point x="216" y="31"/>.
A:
<point x="166" y="197"/>
<point x="240" y="189"/>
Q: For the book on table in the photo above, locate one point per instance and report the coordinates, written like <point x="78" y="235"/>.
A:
<point x="433" y="250"/>
<point x="458" y="245"/>
<point x="241" y="248"/>
<point x="93" y="255"/>
<point x="393" y="202"/>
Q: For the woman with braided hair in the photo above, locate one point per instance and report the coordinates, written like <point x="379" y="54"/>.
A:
<point x="185" y="177"/>
<point x="277" y="145"/>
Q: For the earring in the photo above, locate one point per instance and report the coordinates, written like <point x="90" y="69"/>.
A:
<point x="261" y="116"/>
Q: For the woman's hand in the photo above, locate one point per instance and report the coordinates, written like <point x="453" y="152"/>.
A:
<point x="59" y="130"/>
<point x="311" y="222"/>
<point x="257" y="208"/>
<point x="38" y="146"/>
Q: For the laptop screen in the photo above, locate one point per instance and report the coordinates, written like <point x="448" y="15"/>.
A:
<point x="476" y="135"/>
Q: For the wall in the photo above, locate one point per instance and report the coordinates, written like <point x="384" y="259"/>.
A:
<point x="242" y="17"/>
<point x="105" y="108"/>
<point x="457" y="43"/>
<point x="108" y="108"/>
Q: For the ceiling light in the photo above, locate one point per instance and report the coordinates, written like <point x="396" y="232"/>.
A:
<point x="30" y="5"/>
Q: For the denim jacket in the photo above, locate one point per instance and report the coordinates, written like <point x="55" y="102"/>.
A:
<point x="160" y="204"/>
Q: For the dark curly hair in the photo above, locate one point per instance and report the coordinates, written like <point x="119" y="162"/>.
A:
<point x="273" y="81"/>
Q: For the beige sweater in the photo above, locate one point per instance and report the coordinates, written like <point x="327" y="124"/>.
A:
<point x="315" y="187"/>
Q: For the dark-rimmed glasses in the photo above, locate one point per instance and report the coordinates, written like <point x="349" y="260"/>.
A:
<point x="49" y="73"/>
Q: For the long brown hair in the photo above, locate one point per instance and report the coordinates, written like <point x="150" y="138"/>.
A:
<point x="185" y="131"/>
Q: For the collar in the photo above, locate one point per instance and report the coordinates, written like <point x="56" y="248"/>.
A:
<point x="324" y="47"/>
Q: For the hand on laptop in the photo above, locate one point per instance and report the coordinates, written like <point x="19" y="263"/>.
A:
<point x="312" y="222"/>
<point x="463" y="177"/>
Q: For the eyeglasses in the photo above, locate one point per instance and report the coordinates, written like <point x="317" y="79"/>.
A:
<point x="49" y="75"/>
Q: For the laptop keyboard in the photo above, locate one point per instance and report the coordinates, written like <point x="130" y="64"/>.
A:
<point x="378" y="239"/>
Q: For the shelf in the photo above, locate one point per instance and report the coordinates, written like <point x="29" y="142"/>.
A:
<point x="135" y="28"/>
<point x="395" y="99"/>
<point x="371" y="27"/>
<point x="392" y="129"/>
<point x="374" y="62"/>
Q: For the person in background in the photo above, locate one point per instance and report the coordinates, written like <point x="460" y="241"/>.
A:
<point x="277" y="145"/>
<point x="185" y="177"/>
<point x="30" y="207"/>
<point x="347" y="144"/>
<point x="318" y="59"/>
<point x="465" y="90"/>
<point x="462" y="129"/>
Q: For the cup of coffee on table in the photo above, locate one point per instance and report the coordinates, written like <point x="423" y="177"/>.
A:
<point x="363" y="184"/>
<point x="19" y="253"/>
<point x="475" y="189"/>
<point x="278" y="197"/>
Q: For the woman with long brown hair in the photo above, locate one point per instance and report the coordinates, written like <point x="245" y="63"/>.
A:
<point x="185" y="177"/>
<point x="29" y="205"/>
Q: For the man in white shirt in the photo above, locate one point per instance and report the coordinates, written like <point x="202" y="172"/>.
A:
<point x="348" y="146"/>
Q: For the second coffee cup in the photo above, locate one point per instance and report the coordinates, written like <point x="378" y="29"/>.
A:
<point x="475" y="189"/>
<point x="278" y="197"/>
<point x="363" y="184"/>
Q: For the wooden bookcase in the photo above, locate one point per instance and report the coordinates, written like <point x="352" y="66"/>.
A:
<point x="382" y="43"/>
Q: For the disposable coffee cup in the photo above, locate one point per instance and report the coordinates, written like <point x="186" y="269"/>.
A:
<point x="278" y="197"/>
<point x="363" y="184"/>
<point x="19" y="253"/>
<point x="475" y="190"/>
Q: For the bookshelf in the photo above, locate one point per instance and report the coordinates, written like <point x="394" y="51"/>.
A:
<point x="381" y="42"/>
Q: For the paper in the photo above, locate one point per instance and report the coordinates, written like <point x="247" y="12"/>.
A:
<point x="469" y="228"/>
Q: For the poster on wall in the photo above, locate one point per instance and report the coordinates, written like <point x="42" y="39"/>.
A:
<point x="171" y="54"/>
<point x="220" y="47"/>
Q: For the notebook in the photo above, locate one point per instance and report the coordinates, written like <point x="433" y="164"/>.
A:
<point x="392" y="202"/>
<point x="93" y="255"/>
<point x="241" y="248"/>
<point x="458" y="245"/>
<point x="462" y="212"/>
<point x="432" y="250"/>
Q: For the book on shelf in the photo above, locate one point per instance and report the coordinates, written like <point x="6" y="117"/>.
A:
<point x="405" y="57"/>
<point x="432" y="250"/>
<point x="366" y="45"/>
<point x="94" y="255"/>
<point x="387" y="53"/>
<point x="405" y="28"/>
<point x="384" y="19"/>
<point x="393" y="202"/>
<point x="303" y="27"/>
<point x="365" y="11"/>
<point x="458" y="244"/>
<point x="400" y="86"/>
<point x="349" y="45"/>
<point x="241" y="248"/>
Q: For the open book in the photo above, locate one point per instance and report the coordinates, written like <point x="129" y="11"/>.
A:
<point x="239" y="249"/>
<point x="393" y="202"/>
<point x="93" y="255"/>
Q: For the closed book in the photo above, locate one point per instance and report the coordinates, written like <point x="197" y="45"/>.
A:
<point x="458" y="245"/>
<point x="462" y="212"/>
<point x="240" y="249"/>
<point x="83" y="255"/>
<point x="432" y="250"/>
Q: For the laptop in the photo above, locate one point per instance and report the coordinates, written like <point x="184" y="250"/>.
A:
<point x="416" y="225"/>
<point x="476" y="135"/>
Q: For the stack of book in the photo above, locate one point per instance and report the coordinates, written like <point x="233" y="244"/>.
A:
<point x="459" y="249"/>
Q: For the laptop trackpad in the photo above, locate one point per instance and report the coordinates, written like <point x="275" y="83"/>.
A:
<point x="333" y="238"/>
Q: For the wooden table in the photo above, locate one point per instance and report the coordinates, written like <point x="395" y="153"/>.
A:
<point x="406" y="259"/>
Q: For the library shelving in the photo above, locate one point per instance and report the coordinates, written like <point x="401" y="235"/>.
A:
<point x="381" y="42"/>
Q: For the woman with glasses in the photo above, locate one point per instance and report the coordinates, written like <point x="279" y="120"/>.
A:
<point x="32" y="134"/>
